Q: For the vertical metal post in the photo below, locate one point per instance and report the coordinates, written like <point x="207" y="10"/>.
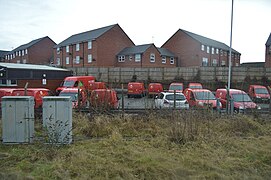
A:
<point x="174" y="105"/>
<point x="122" y="99"/>
<point x="229" y="73"/>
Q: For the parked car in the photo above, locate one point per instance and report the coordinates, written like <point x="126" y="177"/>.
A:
<point x="136" y="89"/>
<point x="154" y="89"/>
<point x="166" y="100"/>
<point x="37" y="93"/>
<point x="178" y="87"/>
<point x="201" y="98"/>
<point x="241" y="100"/>
<point x="73" y="93"/>
<point x="75" y="81"/>
<point x="259" y="94"/>
<point x="195" y="85"/>
<point x="104" y="98"/>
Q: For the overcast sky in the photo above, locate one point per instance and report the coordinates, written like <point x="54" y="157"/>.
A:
<point x="144" y="21"/>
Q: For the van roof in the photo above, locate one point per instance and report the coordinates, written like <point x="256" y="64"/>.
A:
<point x="232" y="91"/>
<point x="200" y="90"/>
<point x="257" y="86"/>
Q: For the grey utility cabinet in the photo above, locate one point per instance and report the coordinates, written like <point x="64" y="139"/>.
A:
<point x="57" y="119"/>
<point x="18" y="119"/>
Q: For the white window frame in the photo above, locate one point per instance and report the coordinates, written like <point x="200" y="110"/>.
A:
<point x="67" y="48"/>
<point x="89" y="58"/>
<point x="89" y="44"/>
<point x="214" y="62"/>
<point x="202" y="47"/>
<point x="164" y="59"/>
<point x="130" y="58"/>
<point x="16" y="53"/>
<point x="223" y="63"/>
<point x="172" y="60"/>
<point x="8" y="82"/>
<point x="77" y="47"/>
<point x="58" y="50"/>
<point x="213" y="50"/>
<point x="67" y="60"/>
<point x="58" y="61"/>
<point x="208" y="49"/>
<point x="22" y="52"/>
<point x="77" y="60"/>
<point x="204" y="61"/>
<point x="121" y="58"/>
<point x="24" y="61"/>
<point x="152" y="57"/>
<point x="217" y="51"/>
<point x="137" y="57"/>
<point x="26" y="51"/>
<point x="19" y="53"/>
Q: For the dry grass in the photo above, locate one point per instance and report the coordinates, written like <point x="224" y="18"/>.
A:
<point x="186" y="145"/>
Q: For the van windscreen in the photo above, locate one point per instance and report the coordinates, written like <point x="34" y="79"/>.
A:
<point x="68" y="83"/>
<point x="241" y="98"/>
<point x="261" y="91"/>
<point x="205" y="95"/>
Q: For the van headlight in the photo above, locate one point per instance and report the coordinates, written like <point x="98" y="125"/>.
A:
<point x="259" y="107"/>
<point x="241" y="107"/>
<point x="258" y="97"/>
<point x="200" y="104"/>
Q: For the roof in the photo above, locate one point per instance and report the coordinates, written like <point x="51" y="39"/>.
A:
<point x="25" y="46"/>
<point x="85" y="36"/>
<point x="268" y="42"/>
<point x="166" y="52"/>
<point x="30" y="66"/>
<point x="135" y="49"/>
<point x="3" y="53"/>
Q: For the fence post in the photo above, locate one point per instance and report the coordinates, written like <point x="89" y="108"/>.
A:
<point x="174" y="105"/>
<point x="122" y="99"/>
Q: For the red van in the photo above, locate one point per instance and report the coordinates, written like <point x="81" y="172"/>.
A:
<point x="74" y="81"/>
<point x="37" y="93"/>
<point x="5" y="92"/>
<point x="104" y="98"/>
<point x="195" y="85"/>
<point x="241" y="100"/>
<point x="154" y="89"/>
<point x="96" y="85"/>
<point x="136" y="89"/>
<point x="201" y="98"/>
<point x="73" y="93"/>
<point x="259" y="94"/>
<point x="178" y="87"/>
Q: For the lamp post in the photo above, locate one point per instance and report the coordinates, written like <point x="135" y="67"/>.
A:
<point x="229" y="73"/>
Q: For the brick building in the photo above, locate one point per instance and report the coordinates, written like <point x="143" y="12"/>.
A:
<point x="3" y="55"/>
<point x="95" y="48"/>
<point x="196" y="50"/>
<point x="38" y="51"/>
<point x="268" y="52"/>
<point x="147" y="55"/>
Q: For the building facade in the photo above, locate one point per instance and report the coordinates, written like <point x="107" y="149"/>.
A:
<point x="196" y="50"/>
<point x="38" y="51"/>
<point x="95" y="48"/>
<point x="147" y="55"/>
<point x="3" y="55"/>
<point x="268" y="52"/>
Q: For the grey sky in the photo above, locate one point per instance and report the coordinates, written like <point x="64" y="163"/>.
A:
<point x="144" y="21"/>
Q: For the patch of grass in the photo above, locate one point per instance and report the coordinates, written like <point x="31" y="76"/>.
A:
<point x="185" y="145"/>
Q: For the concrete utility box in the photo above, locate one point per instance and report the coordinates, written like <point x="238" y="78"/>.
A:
<point x="57" y="119"/>
<point x="18" y="119"/>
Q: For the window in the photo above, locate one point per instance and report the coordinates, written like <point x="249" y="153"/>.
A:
<point x="90" y="58"/>
<point x="152" y="57"/>
<point x="225" y="53"/>
<point x="13" y="55"/>
<point x="215" y="62"/>
<point x="22" y="52"/>
<point x="221" y="52"/>
<point x="130" y="57"/>
<point x="18" y="61"/>
<point x="204" y="61"/>
<point x="202" y="47"/>
<point x="77" y="47"/>
<point x="217" y="51"/>
<point x="77" y="60"/>
<point x="25" y="51"/>
<point x="121" y="58"/>
<point x="172" y="60"/>
<point x="58" y="61"/>
<point x="24" y="61"/>
<point x="19" y="53"/>
<point x="223" y="63"/>
<point x="213" y="50"/>
<point x="137" y="57"/>
<point x="67" y="49"/>
<point x="67" y="60"/>
<point x="7" y="57"/>
<point x="16" y="53"/>
<point x="208" y="49"/>
<point x="89" y="44"/>
<point x="164" y="59"/>
<point x="7" y="82"/>
<point x="57" y="50"/>
<point x="236" y="64"/>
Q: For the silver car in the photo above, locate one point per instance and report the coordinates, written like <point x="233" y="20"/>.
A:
<point x="166" y="100"/>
